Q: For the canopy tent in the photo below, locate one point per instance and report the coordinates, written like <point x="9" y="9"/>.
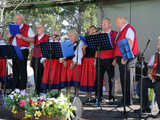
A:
<point x="27" y="4"/>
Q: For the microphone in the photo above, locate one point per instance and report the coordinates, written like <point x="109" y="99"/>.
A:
<point x="99" y="29"/>
<point x="146" y="47"/>
<point x="148" y="42"/>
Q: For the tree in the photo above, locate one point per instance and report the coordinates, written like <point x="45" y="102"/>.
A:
<point x="78" y="17"/>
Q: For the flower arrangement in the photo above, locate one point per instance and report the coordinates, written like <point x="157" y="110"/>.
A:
<point x="40" y="107"/>
<point x="16" y="100"/>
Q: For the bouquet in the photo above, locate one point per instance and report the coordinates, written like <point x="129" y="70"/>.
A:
<point x="46" y="106"/>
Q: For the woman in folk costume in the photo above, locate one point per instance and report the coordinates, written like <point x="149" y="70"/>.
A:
<point x="88" y="68"/>
<point x="3" y="68"/>
<point x="52" y="69"/>
<point x="72" y="65"/>
<point x="37" y="55"/>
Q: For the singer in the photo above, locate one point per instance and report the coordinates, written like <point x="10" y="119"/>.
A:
<point x="106" y="58"/>
<point x="126" y="31"/>
<point x="36" y="61"/>
<point x="22" y="40"/>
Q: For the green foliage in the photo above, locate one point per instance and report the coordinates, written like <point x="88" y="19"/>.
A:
<point x="78" y="17"/>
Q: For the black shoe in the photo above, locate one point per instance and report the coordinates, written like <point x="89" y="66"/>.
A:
<point x="88" y="100"/>
<point x="146" y="110"/>
<point x="111" y="98"/>
<point x="121" y="103"/>
<point x="93" y="100"/>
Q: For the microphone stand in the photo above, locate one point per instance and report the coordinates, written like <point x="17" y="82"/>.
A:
<point x="36" y="65"/>
<point x="141" y="80"/>
<point x="145" y="48"/>
<point x="50" y="57"/>
<point x="98" y="80"/>
<point x="77" y="66"/>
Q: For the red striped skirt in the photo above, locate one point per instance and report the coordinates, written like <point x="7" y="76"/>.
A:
<point x="88" y="75"/>
<point x="3" y="71"/>
<point x="70" y="77"/>
<point x="55" y="74"/>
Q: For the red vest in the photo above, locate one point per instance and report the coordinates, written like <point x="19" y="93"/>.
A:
<point x="24" y="32"/>
<point x="37" y="50"/>
<point x="106" y="54"/>
<point x="121" y="36"/>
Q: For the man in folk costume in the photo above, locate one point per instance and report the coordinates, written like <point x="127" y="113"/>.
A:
<point x="105" y="59"/>
<point x="37" y="56"/>
<point x="23" y="41"/>
<point x="3" y="68"/>
<point x="152" y="82"/>
<point x="52" y="68"/>
<point x="126" y="31"/>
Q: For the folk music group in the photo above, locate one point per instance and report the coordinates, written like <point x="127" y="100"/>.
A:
<point x="80" y="70"/>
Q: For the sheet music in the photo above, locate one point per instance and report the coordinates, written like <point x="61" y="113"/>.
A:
<point x="14" y="29"/>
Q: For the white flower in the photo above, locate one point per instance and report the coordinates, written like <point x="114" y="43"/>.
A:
<point x="34" y="99"/>
<point x="17" y="90"/>
<point x="12" y="92"/>
<point x="62" y="97"/>
<point x="43" y="97"/>
<point x="27" y="99"/>
<point x="43" y="104"/>
<point x="23" y="92"/>
<point x="11" y="96"/>
<point x="51" y="99"/>
<point x="19" y="96"/>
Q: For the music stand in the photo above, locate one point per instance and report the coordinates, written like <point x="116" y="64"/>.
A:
<point x="52" y="50"/>
<point x="9" y="52"/>
<point x="99" y="42"/>
<point x="126" y="54"/>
